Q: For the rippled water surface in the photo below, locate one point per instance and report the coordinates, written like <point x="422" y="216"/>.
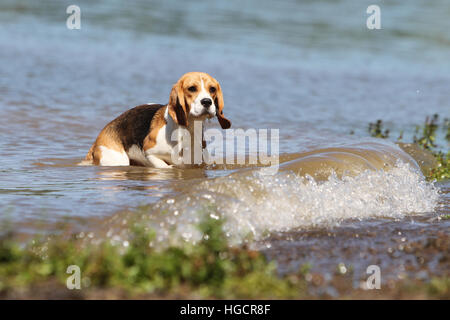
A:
<point x="309" y="68"/>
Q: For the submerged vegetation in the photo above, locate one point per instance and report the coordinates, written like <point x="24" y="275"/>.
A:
<point x="209" y="269"/>
<point x="425" y="137"/>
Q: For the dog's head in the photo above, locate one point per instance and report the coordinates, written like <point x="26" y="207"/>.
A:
<point x="197" y="95"/>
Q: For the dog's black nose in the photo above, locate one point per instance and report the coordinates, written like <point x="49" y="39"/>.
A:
<point x="206" y="102"/>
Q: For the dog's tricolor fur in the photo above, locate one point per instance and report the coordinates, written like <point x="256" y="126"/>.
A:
<point x="142" y="135"/>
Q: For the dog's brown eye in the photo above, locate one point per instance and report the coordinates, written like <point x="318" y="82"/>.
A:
<point x="192" y="88"/>
<point x="212" y="90"/>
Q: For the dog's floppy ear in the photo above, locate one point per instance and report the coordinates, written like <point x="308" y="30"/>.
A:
<point x="177" y="105"/>
<point x="218" y="101"/>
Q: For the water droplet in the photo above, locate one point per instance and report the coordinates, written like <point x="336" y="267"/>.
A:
<point x="342" y="268"/>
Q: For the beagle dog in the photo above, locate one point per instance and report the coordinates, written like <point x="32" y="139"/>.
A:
<point x="143" y="135"/>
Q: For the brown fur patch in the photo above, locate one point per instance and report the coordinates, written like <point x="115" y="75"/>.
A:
<point x="107" y="138"/>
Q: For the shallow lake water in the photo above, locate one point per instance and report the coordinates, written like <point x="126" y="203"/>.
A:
<point x="310" y="69"/>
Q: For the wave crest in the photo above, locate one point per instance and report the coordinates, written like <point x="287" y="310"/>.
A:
<point x="254" y="205"/>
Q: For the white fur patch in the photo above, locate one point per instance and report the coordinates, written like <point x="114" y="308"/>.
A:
<point x="197" y="108"/>
<point x="113" y="158"/>
<point x="157" y="162"/>
<point x="137" y="154"/>
<point x="163" y="147"/>
<point x="161" y="153"/>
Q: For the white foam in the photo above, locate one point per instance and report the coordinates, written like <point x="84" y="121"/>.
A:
<point x="254" y="204"/>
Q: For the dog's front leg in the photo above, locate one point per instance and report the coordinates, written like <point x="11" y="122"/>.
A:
<point x="157" y="162"/>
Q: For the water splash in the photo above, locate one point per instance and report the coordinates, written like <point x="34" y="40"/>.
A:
<point x="254" y="205"/>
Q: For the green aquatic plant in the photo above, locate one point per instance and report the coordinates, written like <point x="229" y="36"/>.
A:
<point x="427" y="141"/>
<point x="442" y="170"/>
<point x="376" y="130"/>
<point x="439" y="287"/>
<point x="424" y="136"/>
<point x="211" y="268"/>
<point x="447" y="129"/>
<point x="428" y="137"/>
